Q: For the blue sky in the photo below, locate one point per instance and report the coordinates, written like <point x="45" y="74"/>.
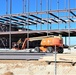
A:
<point x="17" y="7"/>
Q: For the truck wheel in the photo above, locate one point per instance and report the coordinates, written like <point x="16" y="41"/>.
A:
<point x="37" y="49"/>
<point x="49" y="49"/>
<point x="60" y="50"/>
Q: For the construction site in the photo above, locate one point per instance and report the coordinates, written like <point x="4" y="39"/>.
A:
<point x="36" y="37"/>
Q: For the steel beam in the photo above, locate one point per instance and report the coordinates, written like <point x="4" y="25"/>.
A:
<point x="36" y="31"/>
<point x="57" y="17"/>
<point x="9" y="54"/>
<point x="54" y="20"/>
<point x="73" y="13"/>
<point x="42" y="12"/>
<point x="71" y="20"/>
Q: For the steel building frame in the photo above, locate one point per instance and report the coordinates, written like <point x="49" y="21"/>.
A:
<point x="22" y="21"/>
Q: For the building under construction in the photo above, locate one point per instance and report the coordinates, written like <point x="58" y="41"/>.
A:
<point x="38" y="18"/>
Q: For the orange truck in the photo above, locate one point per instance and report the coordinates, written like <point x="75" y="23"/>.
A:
<point x="49" y="44"/>
<point x="46" y="44"/>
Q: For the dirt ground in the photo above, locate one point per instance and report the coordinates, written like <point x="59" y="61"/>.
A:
<point x="23" y="67"/>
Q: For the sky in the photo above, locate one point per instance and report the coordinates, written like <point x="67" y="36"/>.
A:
<point x="17" y="7"/>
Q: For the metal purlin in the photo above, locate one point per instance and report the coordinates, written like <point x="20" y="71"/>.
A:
<point x="10" y="24"/>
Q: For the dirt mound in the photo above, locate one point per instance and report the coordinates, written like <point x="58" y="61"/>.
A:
<point x="8" y="73"/>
